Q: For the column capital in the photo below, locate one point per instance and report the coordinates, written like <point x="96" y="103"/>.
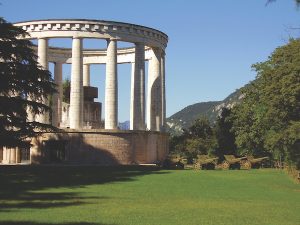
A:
<point x="112" y="39"/>
<point x="77" y="37"/>
<point x="139" y="43"/>
<point x="58" y="63"/>
<point x="42" y="38"/>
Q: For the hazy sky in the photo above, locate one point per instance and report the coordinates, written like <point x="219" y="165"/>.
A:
<point x="212" y="43"/>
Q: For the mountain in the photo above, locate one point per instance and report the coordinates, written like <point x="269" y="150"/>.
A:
<point x="125" y="125"/>
<point x="185" y="117"/>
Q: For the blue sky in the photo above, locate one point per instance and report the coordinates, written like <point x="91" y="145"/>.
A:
<point x="212" y="43"/>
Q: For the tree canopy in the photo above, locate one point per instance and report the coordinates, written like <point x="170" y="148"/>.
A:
<point x="296" y="1"/>
<point x="198" y="139"/>
<point x="24" y="83"/>
<point x="265" y="122"/>
<point x="268" y="119"/>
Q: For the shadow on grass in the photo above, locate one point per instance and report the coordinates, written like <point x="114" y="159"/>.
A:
<point x="26" y="186"/>
<point x="37" y="223"/>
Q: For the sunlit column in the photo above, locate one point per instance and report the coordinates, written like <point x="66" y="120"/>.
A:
<point x="18" y="155"/>
<point x="137" y="116"/>
<point x="5" y="159"/>
<point x="76" y="92"/>
<point x="163" y="92"/>
<point x="12" y="155"/>
<point x="111" y="86"/>
<point x="131" y="120"/>
<point x="58" y="96"/>
<point x="154" y="106"/>
<point x="86" y="74"/>
<point x="43" y="61"/>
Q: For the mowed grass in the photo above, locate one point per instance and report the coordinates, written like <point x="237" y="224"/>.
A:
<point x="91" y="195"/>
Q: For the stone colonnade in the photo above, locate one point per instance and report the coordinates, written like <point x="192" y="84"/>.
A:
<point x="149" y="44"/>
<point x="11" y="155"/>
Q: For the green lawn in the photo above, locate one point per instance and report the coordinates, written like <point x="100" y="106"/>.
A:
<point x="134" y="195"/>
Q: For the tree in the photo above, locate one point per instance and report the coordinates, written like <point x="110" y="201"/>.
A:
<point x="177" y="144"/>
<point x="224" y="134"/>
<point x="24" y="84"/>
<point x="296" y="1"/>
<point x="200" y="137"/>
<point x="201" y="128"/>
<point x="66" y="90"/>
<point x="268" y="118"/>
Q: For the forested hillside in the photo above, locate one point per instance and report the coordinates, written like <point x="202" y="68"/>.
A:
<point x="187" y="116"/>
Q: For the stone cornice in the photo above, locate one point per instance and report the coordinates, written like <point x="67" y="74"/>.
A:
<point x="81" y="28"/>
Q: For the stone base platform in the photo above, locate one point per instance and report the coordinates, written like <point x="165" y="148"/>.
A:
<point x="103" y="147"/>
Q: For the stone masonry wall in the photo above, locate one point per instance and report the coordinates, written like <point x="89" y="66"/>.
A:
<point x="102" y="147"/>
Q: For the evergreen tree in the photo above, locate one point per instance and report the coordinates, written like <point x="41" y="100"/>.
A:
<point x="23" y="85"/>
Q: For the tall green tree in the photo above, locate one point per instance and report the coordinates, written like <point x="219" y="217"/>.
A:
<point x="224" y="134"/>
<point x="23" y="85"/>
<point x="268" y="118"/>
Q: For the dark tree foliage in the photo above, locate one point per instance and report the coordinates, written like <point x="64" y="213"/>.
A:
<point x="296" y="1"/>
<point x="224" y="134"/>
<point x="198" y="139"/>
<point x="177" y="144"/>
<point x="23" y="85"/>
<point x="201" y="128"/>
<point x="66" y="90"/>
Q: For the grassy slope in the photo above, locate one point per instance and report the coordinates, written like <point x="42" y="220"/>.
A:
<point x="94" y="195"/>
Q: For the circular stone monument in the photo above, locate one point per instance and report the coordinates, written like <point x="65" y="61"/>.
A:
<point x="82" y="139"/>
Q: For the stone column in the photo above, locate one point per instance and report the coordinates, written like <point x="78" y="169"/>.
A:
<point x="154" y="106"/>
<point x="5" y="159"/>
<point x="86" y="74"/>
<point x="12" y="155"/>
<point x="137" y="103"/>
<point x="43" y="61"/>
<point x="1" y="154"/>
<point x="76" y="92"/>
<point x="43" y="52"/>
<point x="163" y="92"/>
<point x="18" y="155"/>
<point x="58" y="96"/>
<point x="131" y="120"/>
<point x="111" y="86"/>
